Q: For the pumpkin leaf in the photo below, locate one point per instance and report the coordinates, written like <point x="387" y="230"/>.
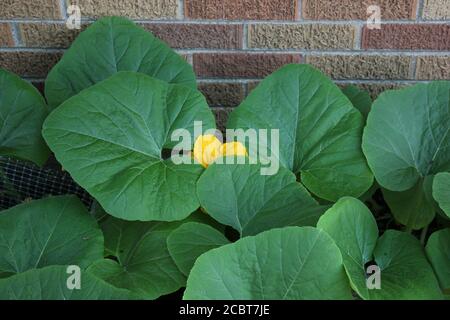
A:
<point x="51" y="231"/>
<point x="50" y="283"/>
<point x="319" y="130"/>
<point x="360" y="99"/>
<point x="438" y="252"/>
<point x="22" y="112"/>
<point x="251" y="203"/>
<point x="403" y="268"/>
<point x="190" y="240"/>
<point x="411" y="207"/>
<point x="111" y="137"/>
<point x="354" y="229"/>
<point x="280" y="264"/>
<point x="407" y="135"/>
<point x="110" y="45"/>
<point x="144" y="265"/>
<point x="441" y="191"/>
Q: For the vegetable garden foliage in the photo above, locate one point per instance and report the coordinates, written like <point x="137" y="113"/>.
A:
<point x="223" y="231"/>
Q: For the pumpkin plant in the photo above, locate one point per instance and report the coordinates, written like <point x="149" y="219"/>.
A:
<point x="214" y="224"/>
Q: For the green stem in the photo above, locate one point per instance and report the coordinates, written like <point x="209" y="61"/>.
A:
<point x="423" y="235"/>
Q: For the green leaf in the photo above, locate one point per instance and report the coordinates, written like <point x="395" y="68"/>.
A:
<point x="289" y="263"/>
<point x="144" y="265"/>
<point x="51" y="231"/>
<point x="411" y="207"/>
<point x="238" y="195"/>
<point x="441" y="191"/>
<point x="319" y="130"/>
<point x="110" y="45"/>
<point x="190" y="240"/>
<point x="110" y="138"/>
<point x="22" y="112"/>
<point x="407" y="135"/>
<point x="355" y="231"/>
<point x="50" y="283"/>
<point x="360" y="99"/>
<point x="438" y="252"/>
<point x="404" y="270"/>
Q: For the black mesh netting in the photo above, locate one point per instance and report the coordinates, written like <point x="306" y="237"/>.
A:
<point x="20" y="181"/>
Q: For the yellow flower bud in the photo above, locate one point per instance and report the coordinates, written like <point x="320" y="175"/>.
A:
<point x="207" y="149"/>
<point x="233" y="149"/>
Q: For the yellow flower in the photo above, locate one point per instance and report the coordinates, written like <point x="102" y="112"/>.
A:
<point x="207" y="149"/>
<point x="233" y="149"/>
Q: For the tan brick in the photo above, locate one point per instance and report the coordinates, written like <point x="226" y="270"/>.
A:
<point x="222" y="115"/>
<point x="222" y="94"/>
<point x="436" y="10"/>
<point x="357" y="9"/>
<point x="408" y="37"/>
<point x="311" y="36"/>
<point x="187" y="36"/>
<point x="6" y="38"/>
<point x="240" y="65"/>
<point x="433" y="68"/>
<point x="28" y="63"/>
<point x="362" y="66"/>
<point x="143" y="9"/>
<point x="241" y="9"/>
<point x="45" y="35"/>
<point x="47" y="9"/>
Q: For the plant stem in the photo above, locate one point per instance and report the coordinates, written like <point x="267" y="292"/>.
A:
<point x="423" y="235"/>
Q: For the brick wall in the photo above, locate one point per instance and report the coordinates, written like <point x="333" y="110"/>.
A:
<point x="234" y="43"/>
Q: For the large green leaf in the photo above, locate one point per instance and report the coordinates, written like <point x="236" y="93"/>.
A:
<point x="239" y="196"/>
<point x="50" y="283"/>
<point x="288" y="263"/>
<point x="404" y="269"/>
<point x="191" y="240"/>
<point x="144" y="264"/>
<point x="411" y="208"/>
<point x="111" y="136"/>
<point x="51" y="231"/>
<point x="319" y="130"/>
<point x="110" y="45"/>
<point x="360" y="99"/>
<point x="355" y="231"/>
<point x="22" y="112"/>
<point x="441" y="191"/>
<point x="407" y="135"/>
<point x="438" y="252"/>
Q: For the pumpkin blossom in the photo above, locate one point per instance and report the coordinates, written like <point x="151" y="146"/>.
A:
<point x="233" y="149"/>
<point x="207" y="148"/>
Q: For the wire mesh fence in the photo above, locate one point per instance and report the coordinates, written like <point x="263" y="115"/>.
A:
<point x="20" y="181"/>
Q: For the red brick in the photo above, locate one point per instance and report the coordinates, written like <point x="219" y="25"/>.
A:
<point x="240" y="65"/>
<point x="28" y="63"/>
<point x="408" y="37"/>
<point x="209" y="36"/>
<point x="222" y="94"/>
<point x="6" y="38"/>
<point x="241" y="9"/>
<point x="221" y="115"/>
<point x="357" y="9"/>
